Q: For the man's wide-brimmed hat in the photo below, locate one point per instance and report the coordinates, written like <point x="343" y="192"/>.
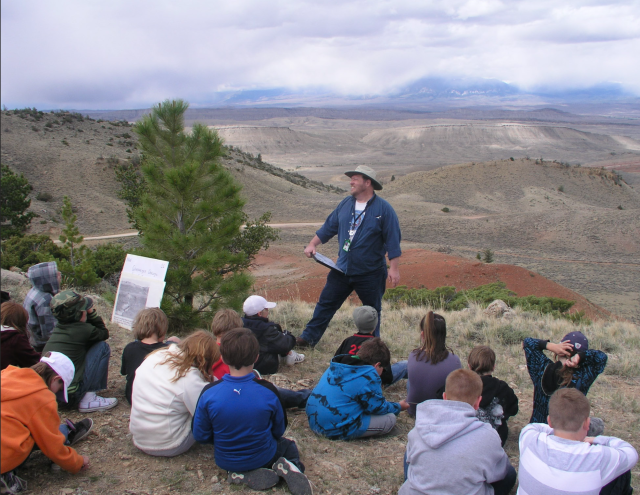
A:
<point x="367" y="172"/>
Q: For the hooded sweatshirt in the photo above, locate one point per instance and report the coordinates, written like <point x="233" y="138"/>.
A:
<point x="347" y="395"/>
<point x="15" y="349"/>
<point x="30" y="416"/>
<point x="451" y="451"/>
<point x="44" y="278"/>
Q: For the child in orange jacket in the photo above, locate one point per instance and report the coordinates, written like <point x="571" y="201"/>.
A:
<point x="29" y="416"/>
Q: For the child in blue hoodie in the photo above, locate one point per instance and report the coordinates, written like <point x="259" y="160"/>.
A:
<point x="348" y="402"/>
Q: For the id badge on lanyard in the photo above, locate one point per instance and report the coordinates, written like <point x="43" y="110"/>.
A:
<point x="347" y="244"/>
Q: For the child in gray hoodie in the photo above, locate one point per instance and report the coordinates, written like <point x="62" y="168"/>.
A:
<point x="450" y="450"/>
<point x="45" y="279"/>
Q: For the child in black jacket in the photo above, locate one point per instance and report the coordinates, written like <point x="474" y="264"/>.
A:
<point x="276" y="344"/>
<point x="499" y="402"/>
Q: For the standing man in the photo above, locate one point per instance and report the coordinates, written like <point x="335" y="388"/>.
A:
<point x="367" y="228"/>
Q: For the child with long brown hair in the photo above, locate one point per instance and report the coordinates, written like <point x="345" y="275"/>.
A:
<point x="430" y="363"/>
<point x="167" y="387"/>
<point x="15" y="349"/>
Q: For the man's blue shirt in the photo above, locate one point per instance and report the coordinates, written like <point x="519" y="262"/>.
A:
<point x="379" y="233"/>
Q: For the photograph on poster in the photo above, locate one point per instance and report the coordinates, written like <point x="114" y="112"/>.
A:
<point x="132" y="297"/>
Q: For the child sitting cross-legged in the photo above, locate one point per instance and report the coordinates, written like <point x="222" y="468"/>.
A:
<point x="450" y="450"/>
<point x="244" y="419"/>
<point x="348" y="402"/>
<point x="226" y="320"/>
<point x="499" y="401"/>
<point x="366" y="320"/>
<point x="150" y="329"/>
<point x="560" y="458"/>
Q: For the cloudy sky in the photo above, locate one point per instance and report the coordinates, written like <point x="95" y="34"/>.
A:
<point x="108" y="54"/>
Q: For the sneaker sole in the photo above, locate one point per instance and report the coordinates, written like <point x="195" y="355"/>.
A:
<point x="84" y="434"/>
<point x="258" y="479"/>
<point x="297" y="482"/>
<point x="97" y="409"/>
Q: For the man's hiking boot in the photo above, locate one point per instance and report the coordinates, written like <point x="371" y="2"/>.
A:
<point x="297" y="482"/>
<point x="300" y="342"/>
<point x="79" y="431"/>
<point x="258" y="479"/>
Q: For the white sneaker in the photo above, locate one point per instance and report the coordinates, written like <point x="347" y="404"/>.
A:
<point x="293" y="358"/>
<point x="92" y="403"/>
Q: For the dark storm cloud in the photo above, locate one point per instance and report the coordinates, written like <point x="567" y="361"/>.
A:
<point x="116" y="54"/>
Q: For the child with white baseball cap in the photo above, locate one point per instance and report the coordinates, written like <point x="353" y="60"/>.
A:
<point x="276" y="344"/>
<point x="30" y="412"/>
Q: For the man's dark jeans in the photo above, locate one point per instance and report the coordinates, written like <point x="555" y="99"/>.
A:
<point x="370" y="288"/>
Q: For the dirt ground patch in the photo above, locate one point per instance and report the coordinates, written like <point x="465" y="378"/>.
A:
<point x="287" y="276"/>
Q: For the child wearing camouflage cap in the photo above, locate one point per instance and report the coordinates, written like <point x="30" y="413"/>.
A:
<point x="80" y="334"/>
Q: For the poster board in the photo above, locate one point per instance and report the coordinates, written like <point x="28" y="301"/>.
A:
<point x="141" y="286"/>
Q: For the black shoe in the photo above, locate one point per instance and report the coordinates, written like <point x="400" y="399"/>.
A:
<point x="79" y="430"/>
<point x="258" y="479"/>
<point x="300" y="342"/>
<point x="297" y="482"/>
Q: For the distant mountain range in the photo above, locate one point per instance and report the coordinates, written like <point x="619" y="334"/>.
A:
<point x="427" y="92"/>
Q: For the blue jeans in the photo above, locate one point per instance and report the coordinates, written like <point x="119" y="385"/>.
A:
<point x="370" y="288"/>
<point x="399" y="371"/>
<point x="291" y="398"/>
<point x="96" y="369"/>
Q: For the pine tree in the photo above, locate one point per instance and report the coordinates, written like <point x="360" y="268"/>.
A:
<point x="191" y="216"/>
<point x="14" y="217"/>
<point x="77" y="269"/>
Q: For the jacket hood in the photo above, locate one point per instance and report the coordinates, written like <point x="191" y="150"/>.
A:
<point x="44" y="277"/>
<point x="345" y="368"/>
<point x="20" y="382"/>
<point x="441" y="421"/>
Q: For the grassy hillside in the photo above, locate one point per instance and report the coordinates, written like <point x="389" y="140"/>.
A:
<point x="67" y="154"/>
<point x="361" y="467"/>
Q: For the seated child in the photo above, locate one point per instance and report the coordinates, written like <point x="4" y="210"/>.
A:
<point x="167" y="387"/>
<point x="348" y="402"/>
<point x="80" y="334"/>
<point x="499" y="402"/>
<point x="275" y="344"/>
<point x="243" y="417"/>
<point x="561" y="458"/>
<point x="431" y="363"/>
<point x="149" y="329"/>
<point x="576" y="366"/>
<point x="30" y="416"/>
<point x="450" y="450"/>
<point x="45" y="279"/>
<point x="366" y="320"/>
<point x="226" y="320"/>
<point x="15" y="349"/>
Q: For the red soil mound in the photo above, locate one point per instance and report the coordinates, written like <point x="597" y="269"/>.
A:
<point x="283" y="276"/>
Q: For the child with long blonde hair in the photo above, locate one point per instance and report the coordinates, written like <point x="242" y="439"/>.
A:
<point x="167" y="387"/>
